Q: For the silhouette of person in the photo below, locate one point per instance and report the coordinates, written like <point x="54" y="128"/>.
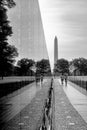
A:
<point x="65" y="78"/>
<point x="41" y="79"/>
<point x="36" y="78"/>
<point x="62" y="79"/>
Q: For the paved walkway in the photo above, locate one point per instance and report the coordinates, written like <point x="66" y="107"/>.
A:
<point x="77" y="99"/>
<point x="66" y="116"/>
<point x="26" y="108"/>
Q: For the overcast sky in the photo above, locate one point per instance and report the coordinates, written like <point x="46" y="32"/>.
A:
<point x="67" y="19"/>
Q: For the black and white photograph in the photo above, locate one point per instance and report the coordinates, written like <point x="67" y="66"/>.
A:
<point x="43" y="64"/>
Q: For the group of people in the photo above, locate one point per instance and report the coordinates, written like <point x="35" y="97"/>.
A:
<point x="39" y="79"/>
<point x="64" y="79"/>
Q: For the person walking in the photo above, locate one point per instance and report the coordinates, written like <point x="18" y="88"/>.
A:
<point x="62" y="79"/>
<point x="65" y="78"/>
<point x="36" y="79"/>
<point x="41" y="79"/>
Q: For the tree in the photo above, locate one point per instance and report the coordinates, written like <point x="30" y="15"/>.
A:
<point x="62" y="66"/>
<point x="7" y="52"/>
<point x="25" y="65"/>
<point x="81" y="65"/>
<point x="7" y="55"/>
<point x="8" y="3"/>
<point x="43" y="67"/>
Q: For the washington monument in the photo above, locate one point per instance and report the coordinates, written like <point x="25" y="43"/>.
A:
<point x="55" y="50"/>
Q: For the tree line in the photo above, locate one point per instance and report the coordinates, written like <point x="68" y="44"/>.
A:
<point x="28" y="67"/>
<point x="7" y="52"/>
<point x="77" y="66"/>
